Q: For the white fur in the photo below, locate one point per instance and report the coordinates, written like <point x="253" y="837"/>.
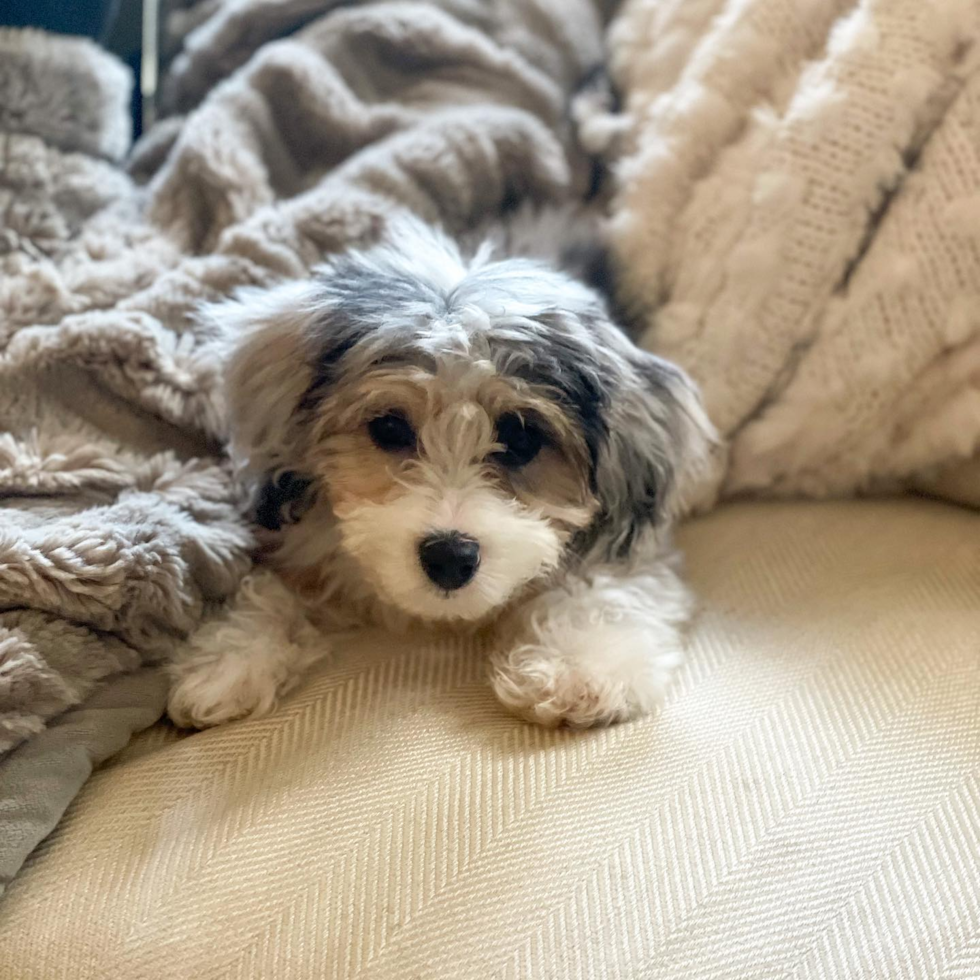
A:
<point x="244" y="660"/>
<point x="597" y="649"/>
<point x="515" y="547"/>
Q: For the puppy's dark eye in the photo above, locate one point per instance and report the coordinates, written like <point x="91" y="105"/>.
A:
<point x="522" y="441"/>
<point x="392" y="432"/>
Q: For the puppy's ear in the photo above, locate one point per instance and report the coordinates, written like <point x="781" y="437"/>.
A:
<point x="268" y="341"/>
<point x="660" y="458"/>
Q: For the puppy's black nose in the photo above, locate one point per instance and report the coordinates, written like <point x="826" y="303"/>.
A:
<point x="449" y="558"/>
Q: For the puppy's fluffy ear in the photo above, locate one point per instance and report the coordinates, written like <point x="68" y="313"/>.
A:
<point x="268" y="337"/>
<point x="699" y="452"/>
<point x="660" y="458"/>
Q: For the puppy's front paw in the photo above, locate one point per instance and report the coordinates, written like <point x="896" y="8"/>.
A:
<point x="547" y="693"/>
<point x="600" y="676"/>
<point x="224" y="688"/>
<point x="240" y="662"/>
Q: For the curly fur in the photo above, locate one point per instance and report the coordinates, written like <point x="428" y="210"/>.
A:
<point x="575" y="570"/>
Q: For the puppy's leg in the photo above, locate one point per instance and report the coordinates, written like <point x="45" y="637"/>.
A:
<point x="597" y="650"/>
<point x="241" y="662"/>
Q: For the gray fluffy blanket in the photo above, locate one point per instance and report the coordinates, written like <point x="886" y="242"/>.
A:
<point x="291" y="130"/>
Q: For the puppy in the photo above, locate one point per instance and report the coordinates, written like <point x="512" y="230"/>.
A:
<point x="454" y="443"/>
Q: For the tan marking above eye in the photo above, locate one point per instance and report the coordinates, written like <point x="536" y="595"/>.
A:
<point x="554" y="485"/>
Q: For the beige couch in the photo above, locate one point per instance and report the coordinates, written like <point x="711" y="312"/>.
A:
<point x="806" y="804"/>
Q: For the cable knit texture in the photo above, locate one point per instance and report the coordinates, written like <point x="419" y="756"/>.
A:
<point x="296" y="129"/>
<point x="797" y="221"/>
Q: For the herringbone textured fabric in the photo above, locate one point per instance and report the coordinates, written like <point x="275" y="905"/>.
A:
<point x="806" y="805"/>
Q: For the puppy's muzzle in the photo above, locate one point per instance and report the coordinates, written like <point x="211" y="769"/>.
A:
<point x="449" y="558"/>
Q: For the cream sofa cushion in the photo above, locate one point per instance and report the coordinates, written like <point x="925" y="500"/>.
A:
<point x="805" y="805"/>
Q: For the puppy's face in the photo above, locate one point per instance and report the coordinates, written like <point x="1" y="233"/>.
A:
<point x="472" y="427"/>
<point x="453" y="487"/>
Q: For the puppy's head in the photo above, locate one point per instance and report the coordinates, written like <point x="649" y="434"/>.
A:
<point x="472" y="426"/>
